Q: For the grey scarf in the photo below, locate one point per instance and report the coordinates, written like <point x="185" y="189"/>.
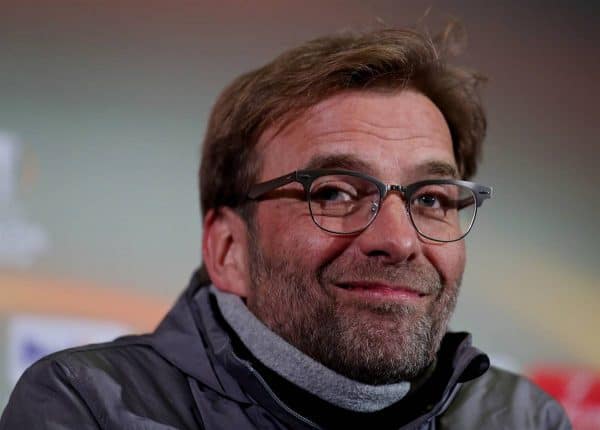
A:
<point x="298" y="368"/>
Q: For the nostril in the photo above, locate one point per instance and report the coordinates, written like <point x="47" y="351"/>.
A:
<point x="378" y="253"/>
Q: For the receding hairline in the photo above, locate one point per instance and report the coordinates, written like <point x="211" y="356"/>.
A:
<point x="383" y="60"/>
<point x="279" y="127"/>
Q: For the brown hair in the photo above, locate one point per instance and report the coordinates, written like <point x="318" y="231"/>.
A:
<point x="316" y="70"/>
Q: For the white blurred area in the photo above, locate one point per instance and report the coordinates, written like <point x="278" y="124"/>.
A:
<point x="21" y="241"/>
<point x="31" y="337"/>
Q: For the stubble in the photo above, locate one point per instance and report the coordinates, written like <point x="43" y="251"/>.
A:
<point x="371" y="342"/>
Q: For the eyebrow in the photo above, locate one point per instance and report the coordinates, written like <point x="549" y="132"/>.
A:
<point x="338" y="161"/>
<point x="438" y="168"/>
<point x="350" y="162"/>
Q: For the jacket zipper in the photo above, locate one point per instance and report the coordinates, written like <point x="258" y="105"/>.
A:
<point x="277" y="399"/>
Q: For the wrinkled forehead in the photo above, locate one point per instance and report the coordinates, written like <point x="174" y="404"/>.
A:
<point x="378" y="133"/>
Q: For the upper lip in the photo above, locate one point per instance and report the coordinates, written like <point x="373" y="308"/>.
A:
<point x="381" y="284"/>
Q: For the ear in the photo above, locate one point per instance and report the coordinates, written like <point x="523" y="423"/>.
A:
<point x="225" y="250"/>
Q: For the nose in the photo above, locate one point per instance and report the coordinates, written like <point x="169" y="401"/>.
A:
<point x="391" y="236"/>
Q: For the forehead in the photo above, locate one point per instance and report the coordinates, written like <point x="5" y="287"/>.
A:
<point x="390" y="134"/>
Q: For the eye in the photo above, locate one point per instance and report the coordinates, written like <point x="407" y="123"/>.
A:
<point x="334" y="192"/>
<point x="436" y="197"/>
<point x="428" y="201"/>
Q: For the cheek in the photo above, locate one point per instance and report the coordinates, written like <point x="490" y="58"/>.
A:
<point x="295" y="236"/>
<point x="448" y="259"/>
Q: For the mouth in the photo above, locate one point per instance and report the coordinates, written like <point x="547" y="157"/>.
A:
<point x="381" y="290"/>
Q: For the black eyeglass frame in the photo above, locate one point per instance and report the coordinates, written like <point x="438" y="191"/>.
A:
<point x="307" y="177"/>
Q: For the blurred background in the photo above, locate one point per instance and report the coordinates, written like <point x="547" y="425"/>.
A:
<point x="103" y="106"/>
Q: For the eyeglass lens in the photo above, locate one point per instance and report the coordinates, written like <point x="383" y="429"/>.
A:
<point x="443" y="212"/>
<point x="347" y="204"/>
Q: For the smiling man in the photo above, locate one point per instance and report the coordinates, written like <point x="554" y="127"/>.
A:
<point x="363" y="294"/>
<point x="336" y="201"/>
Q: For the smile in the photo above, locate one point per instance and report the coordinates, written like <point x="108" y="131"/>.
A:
<point x="382" y="290"/>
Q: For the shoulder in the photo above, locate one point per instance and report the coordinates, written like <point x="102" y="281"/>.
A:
<point x="83" y="387"/>
<point x="122" y="359"/>
<point x="125" y="361"/>
<point x="501" y="399"/>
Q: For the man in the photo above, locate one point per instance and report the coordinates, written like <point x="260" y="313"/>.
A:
<point x="335" y="206"/>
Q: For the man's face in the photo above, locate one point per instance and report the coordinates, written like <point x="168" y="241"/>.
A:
<point x="375" y="305"/>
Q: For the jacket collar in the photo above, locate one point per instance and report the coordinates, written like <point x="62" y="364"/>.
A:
<point x="190" y="339"/>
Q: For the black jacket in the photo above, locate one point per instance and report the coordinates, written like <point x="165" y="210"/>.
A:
<point x="192" y="373"/>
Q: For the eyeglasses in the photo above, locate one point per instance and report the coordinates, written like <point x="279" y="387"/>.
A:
<point x="346" y="202"/>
